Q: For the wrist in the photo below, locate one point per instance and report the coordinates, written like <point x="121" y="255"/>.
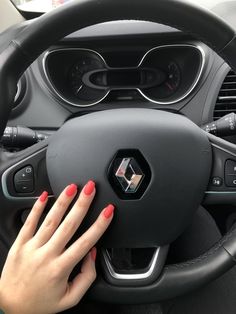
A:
<point x="1" y="303"/>
<point x="6" y="304"/>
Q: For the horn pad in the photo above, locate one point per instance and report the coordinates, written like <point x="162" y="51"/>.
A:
<point x="154" y="166"/>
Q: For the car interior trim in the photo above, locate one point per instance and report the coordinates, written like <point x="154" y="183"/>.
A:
<point x="192" y="87"/>
<point x="224" y="150"/>
<point x="136" y="276"/>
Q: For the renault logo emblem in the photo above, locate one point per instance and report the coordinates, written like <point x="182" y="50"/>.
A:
<point x="129" y="175"/>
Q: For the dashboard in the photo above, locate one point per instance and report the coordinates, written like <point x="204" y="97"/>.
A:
<point x="116" y="65"/>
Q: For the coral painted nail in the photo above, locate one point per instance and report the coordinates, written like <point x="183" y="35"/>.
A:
<point x="43" y="197"/>
<point x="89" y="188"/>
<point x="71" y="189"/>
<point x="108" y="211"/>
<point x="93" y="254"/>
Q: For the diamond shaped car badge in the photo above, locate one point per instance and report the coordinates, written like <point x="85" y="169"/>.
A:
<point x="129" y="174"/>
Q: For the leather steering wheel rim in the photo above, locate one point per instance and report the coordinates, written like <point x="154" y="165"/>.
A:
<point x="38" y="36"/>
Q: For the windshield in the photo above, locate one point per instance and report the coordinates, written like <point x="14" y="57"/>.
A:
<point x="47" y="5"/>
<point x="38" y="5"/>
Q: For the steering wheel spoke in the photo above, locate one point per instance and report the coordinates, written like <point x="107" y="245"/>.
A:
<point x="222" y="185"/>
<point x="23" y="179"/>
<point x="133" y="267"/>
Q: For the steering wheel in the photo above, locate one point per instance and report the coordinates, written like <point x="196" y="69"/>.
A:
<point x="155" y="166"/>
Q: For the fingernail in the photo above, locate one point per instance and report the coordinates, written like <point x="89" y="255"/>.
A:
<point x="89" y="188"/>
<point x="71" y="189"/>
<point x="108" y="211"/>
<point x="43" y="197"/>
<point x="93" y="254"/>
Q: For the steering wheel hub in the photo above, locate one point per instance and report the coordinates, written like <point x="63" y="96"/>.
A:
<point x="153" y="165"/>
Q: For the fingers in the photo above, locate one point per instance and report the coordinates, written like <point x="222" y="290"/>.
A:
<point x="31" y="223"/>
<point x="73" y="219"/>
<point x="81" y="283"/>
<point x="82" y="246"/>
<point x="55" y="215"/>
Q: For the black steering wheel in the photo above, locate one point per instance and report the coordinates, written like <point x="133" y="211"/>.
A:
<point x="155" y="166"/>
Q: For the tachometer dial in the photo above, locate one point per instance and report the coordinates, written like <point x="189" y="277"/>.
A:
<point x="79" y="69"/>
<point x="169" y="86"/>
<point x="182" y="66"/>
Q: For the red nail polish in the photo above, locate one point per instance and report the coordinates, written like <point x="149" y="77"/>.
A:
<point x="71" y="189"/>
<point x="89" y="188"/>
<point x="93" y="254"/>
<point x="43" y="197"/>
<point x="108" y="211"/>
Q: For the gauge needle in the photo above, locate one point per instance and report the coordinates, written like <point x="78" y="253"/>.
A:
<point x="169" y="86"/>
<point x="78" y="90"/>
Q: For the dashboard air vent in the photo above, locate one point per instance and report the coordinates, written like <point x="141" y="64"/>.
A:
<point x="226" y="100"/>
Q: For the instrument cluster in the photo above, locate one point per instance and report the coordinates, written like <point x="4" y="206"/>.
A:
<point x="163" y="75"/>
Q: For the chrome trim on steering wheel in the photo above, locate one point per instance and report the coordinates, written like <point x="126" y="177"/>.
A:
<point x="137" y="276"/>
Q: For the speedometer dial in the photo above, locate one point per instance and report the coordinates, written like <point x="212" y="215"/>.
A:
<point x="79" y="69"/>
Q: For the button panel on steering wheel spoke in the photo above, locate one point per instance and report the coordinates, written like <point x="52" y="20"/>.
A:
<point x="230" y="173"/>
<point x="222" y="186"/>
<point x="26" y="178"/>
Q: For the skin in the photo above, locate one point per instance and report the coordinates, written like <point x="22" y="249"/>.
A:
<point x="35" y="277"/>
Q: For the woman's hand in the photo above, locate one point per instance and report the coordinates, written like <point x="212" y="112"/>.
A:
<point x="35" y="276"/>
